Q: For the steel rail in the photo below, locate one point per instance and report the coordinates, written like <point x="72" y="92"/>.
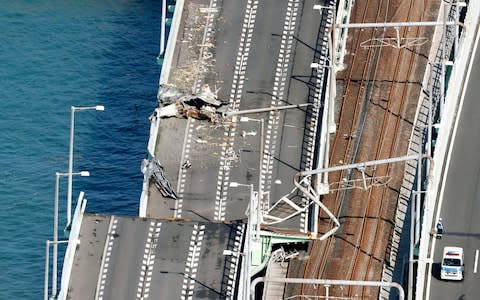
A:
<point x="316" y="267"/>
<point x="369" y="241"/>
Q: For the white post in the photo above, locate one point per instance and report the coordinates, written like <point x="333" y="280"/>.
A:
<point x="332" y="128"/>
<point x="162" y="28"/>
<point x="259" y="199"/>
<point x="248" y="241"/>
<point x="45" y="287"/>
<point x="70" y="156"/>
<point x="249" y="246"/>
<point x="260" y="184"/>
<point x="443" y="59"/>
<point x="55" y="238"/>
<point x="55" y="228"/>
<point x="70" y="167"/>
<point x="418" y="207"/>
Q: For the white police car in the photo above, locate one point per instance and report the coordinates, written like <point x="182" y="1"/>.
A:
<point x="452" y="264"/>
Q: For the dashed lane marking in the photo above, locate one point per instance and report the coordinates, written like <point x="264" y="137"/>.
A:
<point x="278" y="92"/>
<point x="476" y="262"/>
<point x="234" y="103"/>
<point x="204" y="54"/>
<point x="107" y="252"/>
<point x="148" y="261"/>
<point x="191" y="266"/>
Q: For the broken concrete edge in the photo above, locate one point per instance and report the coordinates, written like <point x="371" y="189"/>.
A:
<point x="175" y="102"/>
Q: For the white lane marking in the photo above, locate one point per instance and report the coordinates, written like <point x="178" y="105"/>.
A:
<point x="205" y="53"/>
<point x="107" y="251"/>
<point x="232" y="262"/>
<point x="281" y="72"/>
<point x="191" y="265"/>
<point x="234" y="104"/>
<point x="315" y="113"/>
<point x="476" y="262"/>
<point x="294" y="126"/>
<point x="143" y="289"/>
<point x="177" y="213"/>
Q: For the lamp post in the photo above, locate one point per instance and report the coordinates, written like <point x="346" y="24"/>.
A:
<point x="260" y="185"/>
<point x="47" y="269"/>
<point x="73" y="109"/>
<point x="251" y="217"/>
<point x="55" y="229"/>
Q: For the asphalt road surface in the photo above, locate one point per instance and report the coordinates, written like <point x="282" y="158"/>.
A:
<point x="262" y="56"/>
<point x="461" y="205"/>
<point x="139" y="258"/>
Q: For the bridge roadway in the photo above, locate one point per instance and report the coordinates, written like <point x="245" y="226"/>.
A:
<point x="252" y="54"/>
<point x="122" y="257"/>
<point x="264" y="62"/>
<point x="461" y="205"/>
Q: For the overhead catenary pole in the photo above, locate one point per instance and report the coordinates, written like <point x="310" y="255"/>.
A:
<point x="397" y="24"/>
<point x="364" y="164"/>
<point x="328" y="282"/>
<point x="298" y="182"/>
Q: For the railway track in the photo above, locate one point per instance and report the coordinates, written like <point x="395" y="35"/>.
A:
<point x="379" y="86"/>
<point x="372" y="240"/>
<point x="348" y="117"/>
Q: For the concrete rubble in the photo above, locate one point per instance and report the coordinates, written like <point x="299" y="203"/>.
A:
<point x="203" y="105"/>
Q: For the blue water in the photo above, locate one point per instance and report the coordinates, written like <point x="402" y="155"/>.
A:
<point x="55" y="54"/>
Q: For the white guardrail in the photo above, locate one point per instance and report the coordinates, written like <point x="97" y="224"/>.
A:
<point x="453" y="103"/>
<point x="155" y="120"/>
<point x="342" y="17"/>
<point x="73" y="241"/>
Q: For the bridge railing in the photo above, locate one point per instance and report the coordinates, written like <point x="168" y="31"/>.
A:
<point x="453" y="102"/>
<point x="73" y="241"/>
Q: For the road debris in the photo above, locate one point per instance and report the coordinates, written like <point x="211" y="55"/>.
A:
<point x="203" y="105"/>
<point x="154" y="171"/>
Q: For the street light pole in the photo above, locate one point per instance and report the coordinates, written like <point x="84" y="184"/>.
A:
<point x="55" y="229"/>
<point x="248" y="240"/>
<point x="70" y="166"/>
<point x="73" y="109"/>
<point x="47" y="256"/>
<point x="260" y="185"/>
<point x="261" y="110"/>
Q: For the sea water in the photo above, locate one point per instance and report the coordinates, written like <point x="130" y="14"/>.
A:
<point x="55" y="54"/>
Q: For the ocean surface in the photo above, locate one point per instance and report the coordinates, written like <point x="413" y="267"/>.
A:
<point x="55" y="54"/>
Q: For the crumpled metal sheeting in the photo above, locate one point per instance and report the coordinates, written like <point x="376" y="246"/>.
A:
<point x="154" y="170"/>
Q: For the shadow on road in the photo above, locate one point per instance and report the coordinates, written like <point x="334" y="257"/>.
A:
<point x="436" y="270"/>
